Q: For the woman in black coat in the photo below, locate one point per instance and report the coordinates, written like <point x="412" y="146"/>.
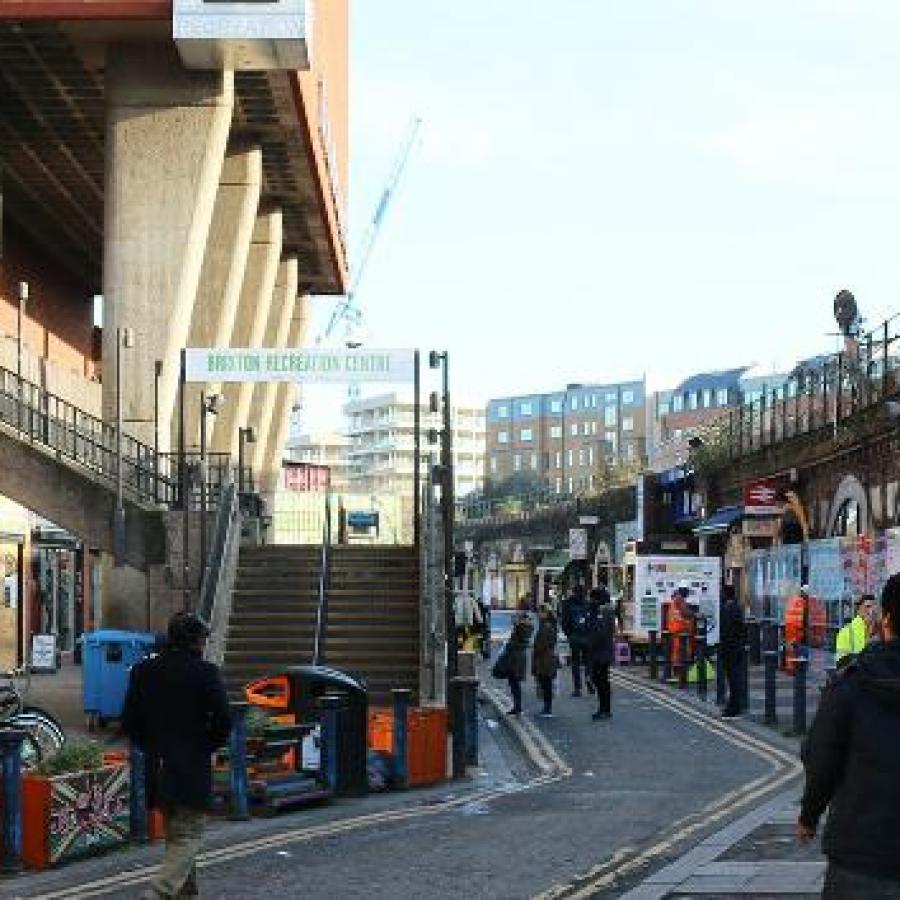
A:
<point x="516" y="651"/>
<point x="543" y="658"/>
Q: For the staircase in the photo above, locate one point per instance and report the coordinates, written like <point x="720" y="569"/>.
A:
<point x="372" y="619"/>
<point x="273" y="612"/>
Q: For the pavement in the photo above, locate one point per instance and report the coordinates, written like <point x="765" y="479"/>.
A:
<point x="663" y="800"/>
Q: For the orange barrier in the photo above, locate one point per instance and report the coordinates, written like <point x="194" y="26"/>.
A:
<point x="426" y="742"/>
<point x="269" y="693"/>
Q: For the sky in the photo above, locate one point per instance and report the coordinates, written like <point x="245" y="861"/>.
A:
<point x="606" y="189"/>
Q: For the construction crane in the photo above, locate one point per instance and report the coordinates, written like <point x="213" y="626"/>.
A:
<point x="345" y="311"/>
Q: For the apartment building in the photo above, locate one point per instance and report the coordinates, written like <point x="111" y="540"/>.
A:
<point x="330" y="449"/>
<point x="381" y="451"/>
<point x="561" y="440"/>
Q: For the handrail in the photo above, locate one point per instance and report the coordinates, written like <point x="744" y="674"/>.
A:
<point x="212" y="565"/>
<point x="322" y="612"/>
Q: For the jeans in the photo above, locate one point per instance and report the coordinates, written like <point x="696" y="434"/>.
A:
<point x="600" y="677"/>
<point x="515" y="688"/>
<point x="850" y="884"/>
<point x="579" y="662"/>
<point x="545" y="683"/>
<point x="732" y="661"/>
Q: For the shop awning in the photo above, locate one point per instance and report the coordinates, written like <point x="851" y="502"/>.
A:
<point x="721" y="520"/>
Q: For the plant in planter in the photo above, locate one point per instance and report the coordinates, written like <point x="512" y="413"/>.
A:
<point x="74" y="805"/>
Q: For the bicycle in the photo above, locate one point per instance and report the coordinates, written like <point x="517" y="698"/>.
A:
<point x="43" y="733"/>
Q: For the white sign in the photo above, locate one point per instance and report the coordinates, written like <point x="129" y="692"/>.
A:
<point x="589" y="520"/>
<point x="761" y="528"/>
<point x="655" y="580"/>
<point x="43" y="652"/>
<point x="255" y="35"/>
<point x="578" y="543"/>
<point x="336" y="366"/>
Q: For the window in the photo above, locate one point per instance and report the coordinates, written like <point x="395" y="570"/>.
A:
<point x="627" y="397"/>
<point x="573" y="403"/>
<point x="517" y="462"/>
<point x="662" y="410"/>
<point x="722" y="397"/>
<point x="502" y="411"/>
<point x="581" y="457"/>
<point x="573" y="429"/>
<point x="591" y="457"/>
<point x="571" y="485"/>
<point x="707" y="398"/>
<point x="609" y="416"/>
<point x="525" y="434"/>
<point x="502" y="437"/>
<point x="629" y="450"/>
<point x="692" y="398"/>
<point x="594" y="427"/>
<point x="556" y="406"/>
<point x="559" y="485"/>
<point x="611" y="396"/>
<point x="586" y="428"/>
<point x="534" y="460"/>
<point x="525" y="408"/>
<point x="558" y="460"/>
<point x="556" y="431"/>
<point x="611" y="441"/>
<point x="627" y="423"/>
<point x="593" y="401"/>
<point x="570" y="457"/>
<point x="677" y="403"/>
<point x="493" y="465"/>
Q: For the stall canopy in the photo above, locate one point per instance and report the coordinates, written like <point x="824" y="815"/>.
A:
<point x="721" y="520"/>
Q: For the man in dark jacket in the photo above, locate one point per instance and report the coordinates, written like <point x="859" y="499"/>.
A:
<point x="731" y="646"/>
<point x="574" y="625"/>
<point x="853" y="767"/>
<point x="176" y="711"/>
<point x="516" y="651"/>
<point x="601" y="628"/>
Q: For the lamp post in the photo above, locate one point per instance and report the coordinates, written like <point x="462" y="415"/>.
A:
<point x="438" y="360"/>
<point x="245" y="435"/>
<point x="124" y="341"/>
<point x="157" y="374"/>
<point x="23" y="299"/>
<point x="208" y="406"/>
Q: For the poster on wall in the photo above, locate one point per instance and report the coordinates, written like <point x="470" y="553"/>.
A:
<point x="655" y="580"/>
<point x="43" y="653"/>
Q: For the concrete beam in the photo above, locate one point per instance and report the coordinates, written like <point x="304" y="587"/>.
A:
<point x="166" y="134"/>
<point x="277" y="333"/>
<point x="250" y="325"/>
<point x="224" y="267"/>
<point x="284" y="403"/>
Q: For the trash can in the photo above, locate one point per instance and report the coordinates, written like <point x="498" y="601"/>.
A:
<point x="108" y="656"/>
<point x="300" y="690"/>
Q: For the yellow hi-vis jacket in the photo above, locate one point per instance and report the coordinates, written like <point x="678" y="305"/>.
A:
<point x="851" y="639"/>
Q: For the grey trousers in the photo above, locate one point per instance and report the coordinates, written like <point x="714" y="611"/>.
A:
<point x="849" y="884"/>
<point x="184" y="835"/>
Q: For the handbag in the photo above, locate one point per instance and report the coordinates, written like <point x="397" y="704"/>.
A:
<point x="502" y="668"/>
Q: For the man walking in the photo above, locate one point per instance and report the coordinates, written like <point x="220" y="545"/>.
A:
<point x="852" y="765"/>
<point x="574" y="626"/>
<point x="731" y="646"/>
<point x="854" y="636"/>
<point x="601" y="627"/>
<point x="176" y="711"/>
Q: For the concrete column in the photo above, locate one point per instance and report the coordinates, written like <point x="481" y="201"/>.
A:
<point x="277" y="332"/>
<point x="224" y="266"/>
<point x="250" y="325"/>
<point x="166" y="133"/>
<point x="284" y="403"/>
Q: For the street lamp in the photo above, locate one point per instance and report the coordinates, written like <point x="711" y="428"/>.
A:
<point x="248" y="436"/>
<point x="124" y="341"/>
<point x="157" y="374"/>
<point x="23" y="299"/>
<point x="209" y="405"/>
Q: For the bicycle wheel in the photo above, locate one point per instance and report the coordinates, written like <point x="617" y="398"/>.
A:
<point x="45" y="730"/>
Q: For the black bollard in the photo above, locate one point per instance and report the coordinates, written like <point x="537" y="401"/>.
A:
<point x="754" y="628"/>
<point x="667" y="657"/>
<point x="770" y="657"/>
<point x="458" y="726"/>
<point x="745" y="675"/>
<point x="720" y="676"/>
<point x="11" y="765"/>
<point x="801" y="660"/>
<point x="401" y="698"/>
<point x="239" y="808"/>
<point x="654" y="667"/>
<point x="701" y="658"/>
<point x="138" y="803"/>
<point x="684" y="646"/>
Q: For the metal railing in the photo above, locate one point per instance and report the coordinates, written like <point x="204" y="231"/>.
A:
<point x="43" y="419"/>
<point x="324" y="577"/>
<point x="820" y="395"/>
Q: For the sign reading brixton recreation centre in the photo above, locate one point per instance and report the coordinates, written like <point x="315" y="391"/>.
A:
<point x="335" y="366"/>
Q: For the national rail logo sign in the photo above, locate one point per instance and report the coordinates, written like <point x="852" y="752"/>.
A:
<point x="761" y="498"/>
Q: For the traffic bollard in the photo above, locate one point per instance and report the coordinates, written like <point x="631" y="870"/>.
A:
<point x="239" y="808"/>
<point x="401" y="698"/>
<point x="470" y="694"/>
<point x="684" y="646"/>
<point x="745" y="676"/>
<point x="486" y="634"/>
<point x="720" y="676"/>
<point x="701" y="658"/>
<point x="755" y="638"/>
<point x="782" y="648"/>
<point x="458" y="727"/>
<point x="654" y="667"/>
<point x="770" y="657"/>
<point x="11" y="762"/>
<point x="138" y="802"/>
<point x="801" y="661"/>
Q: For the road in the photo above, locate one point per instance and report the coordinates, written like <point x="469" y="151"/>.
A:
<point x="616" y="800"/>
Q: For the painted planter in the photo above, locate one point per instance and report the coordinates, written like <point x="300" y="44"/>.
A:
<point x="69" y="816"/>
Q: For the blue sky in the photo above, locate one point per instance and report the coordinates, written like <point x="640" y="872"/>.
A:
<point x="603" y="189"/>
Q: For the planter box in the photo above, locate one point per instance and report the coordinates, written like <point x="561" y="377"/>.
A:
<point x="68" y="816"/>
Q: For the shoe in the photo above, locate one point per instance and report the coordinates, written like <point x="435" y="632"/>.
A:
<point x="730" y="714"/>
<point x="514" y="712"/>
<point x="576" y="693"/>
<point x="598" y="716"/>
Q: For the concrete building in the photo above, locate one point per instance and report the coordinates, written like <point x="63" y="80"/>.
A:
<point x="330" y="449"/>
<point x="156" y="154"/>
<point x="382" y="444"/>
<point x="561" y="440"/>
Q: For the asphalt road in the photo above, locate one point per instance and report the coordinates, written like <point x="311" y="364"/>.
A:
<point x="634" y="790"/>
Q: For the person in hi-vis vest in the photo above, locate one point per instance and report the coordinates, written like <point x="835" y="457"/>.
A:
<point x="853" y="637"/>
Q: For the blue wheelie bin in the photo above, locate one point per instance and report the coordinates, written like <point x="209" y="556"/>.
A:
<point x="107" y="659"/>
